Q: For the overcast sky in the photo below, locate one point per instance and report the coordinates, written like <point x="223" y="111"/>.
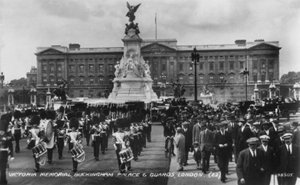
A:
<point x="28" y="24"/>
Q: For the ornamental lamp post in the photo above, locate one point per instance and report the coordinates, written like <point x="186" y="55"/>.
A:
<point x="195" y="59"/>
<point x="246" y="74"/>
<point x="2" y="79"/>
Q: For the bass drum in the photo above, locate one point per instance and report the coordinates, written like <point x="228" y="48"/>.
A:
<point x="49" y="131"/>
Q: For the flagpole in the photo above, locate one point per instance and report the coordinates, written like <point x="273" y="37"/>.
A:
<point x="155" y="26"/>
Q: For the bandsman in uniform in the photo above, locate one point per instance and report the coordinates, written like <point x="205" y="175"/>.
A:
<point x="61" y="135"/>
<point x="75" y="139"/>
<point x="95" y="132"/>
<point x="34" y="138"/>
<point x="103" y="137"/>
<point x="4" y="151"/>
<point x="47" y="135"/>
<point x="16" y="130"/>
<point x="119" y="143"/>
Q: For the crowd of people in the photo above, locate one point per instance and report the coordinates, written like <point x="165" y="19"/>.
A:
<point x="257" y="143"/>
<point x="64" y="129"/>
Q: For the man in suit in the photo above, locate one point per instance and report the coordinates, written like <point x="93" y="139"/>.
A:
<point x="268" y="158"/>
<point x="288" y="159"/>
<point x="196" y="132"/>
<point x="296" y="133"/>
<point x="206" y="146"/>
<point x="244" y="133"/>
<point x="249" y="167"/>
<point x="223" y="142"/>
<point x="188" y="140"/>
<point x="233" y="128"/>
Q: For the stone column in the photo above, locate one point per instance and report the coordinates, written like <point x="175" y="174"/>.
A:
<point x="256" y="93"/>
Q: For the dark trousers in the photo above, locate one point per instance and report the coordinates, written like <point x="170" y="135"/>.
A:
<point x="121" y="165"/>
<point x="223" y="165"/>
<point x="60" y="147"/>
<point x="3" y="161"/>
<point x="75" y="164"/>
<point x="3" y="176"/>
<point x="266" y="178"/>
<point x="172" y="145"/>
<point x="103" y="144"/>
<point x="149" y="134"/>
<point x="205" y="160"/>
<point x="11" y="146"/>
<point x="96" y="146"/>
<point x="49" y="154"/>
<point x="197" y="157"/>
<point x="17" y="137"/>
<point x="144" y="141"/>
<point x="87" y="137"/>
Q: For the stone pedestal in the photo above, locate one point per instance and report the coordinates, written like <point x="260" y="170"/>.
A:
<point x="132" y="76"/>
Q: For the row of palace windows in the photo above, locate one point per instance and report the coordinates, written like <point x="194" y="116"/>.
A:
<point x="94" y="59"/>
<point x="81" y="80"/>
<point x="81" y="68"/>
<point x="212" y="65"/>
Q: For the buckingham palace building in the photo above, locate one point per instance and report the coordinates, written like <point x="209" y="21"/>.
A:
<point x="221" y="68"/>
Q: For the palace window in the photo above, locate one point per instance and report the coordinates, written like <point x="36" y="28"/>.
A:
<point x="101" y="68"/>
<point x="51" y="68"/>
<point x="110" y="68"/>
<point x="201" y="65"/>
<point x="59" y="68"/>
<point x="72" y="68"/>
<point x="254" y="64"/>
<point x="180" y="66"/>
<point x="231" y="65"/>
<point x="211" y="66"/>
<point x="91" y="68"/>
<point x="44" y="68"/>
<point x="91" y="80"/>
<point x="241" y="65"/>
<point x="81" y="68"/>
<point x="81" y="81"/>
<point x="221" y="65"/>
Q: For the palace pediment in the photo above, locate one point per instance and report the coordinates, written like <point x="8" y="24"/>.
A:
<point x="264" y="46"/>
<point x="157" y="48"/>
<point x="50" y="51"/>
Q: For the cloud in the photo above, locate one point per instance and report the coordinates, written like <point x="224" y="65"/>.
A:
<point x="73" y="9"/>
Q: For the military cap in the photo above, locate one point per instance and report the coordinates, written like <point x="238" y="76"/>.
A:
<point x="35" y="120"/>
<point x="264" y="138"/>
<point x="74" y="122"/>
<point x="287" y="135"/>
<point x="252" y="140"/>
<point x="60" y="123"/>
<point x="295" y="123"/>
<point x="196" y="143"/>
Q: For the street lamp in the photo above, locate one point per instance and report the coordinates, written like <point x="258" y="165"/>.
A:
<point x="195" y="59"/>
<point x="246" y="74"/>
<point x="2" y="78"/>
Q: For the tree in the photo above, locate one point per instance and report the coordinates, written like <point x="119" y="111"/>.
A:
<point x="290" y="78"/>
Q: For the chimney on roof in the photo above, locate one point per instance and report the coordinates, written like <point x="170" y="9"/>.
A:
<point x="240" y="42"/>
<point x="74" y="46"/>
<point x="259" y="40"/>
